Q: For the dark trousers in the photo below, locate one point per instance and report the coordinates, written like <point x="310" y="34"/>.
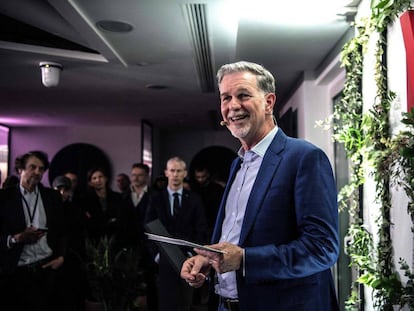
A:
<point x="151" y="278"/>
<point x="70" y="286"/>
<point x="174" y="293"/>
<point x="29" y="288"/>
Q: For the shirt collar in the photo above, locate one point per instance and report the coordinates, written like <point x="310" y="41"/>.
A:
<point x="24" y="191"/>
<point x="171" y="192"/>
<point x="261" y="147"/>
<point x="145" y="189"/>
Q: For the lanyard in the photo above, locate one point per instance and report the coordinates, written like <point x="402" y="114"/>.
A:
<point x="31" y="215"/>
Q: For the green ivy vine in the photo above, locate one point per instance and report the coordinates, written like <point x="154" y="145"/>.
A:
<point x="387" y="286"/>
<point x="368" y="142"/>
<point x="402" y="158"/>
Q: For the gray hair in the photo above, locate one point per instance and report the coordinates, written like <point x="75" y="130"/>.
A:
<point x="179" y="160"/>
<point x="265" y="80"/>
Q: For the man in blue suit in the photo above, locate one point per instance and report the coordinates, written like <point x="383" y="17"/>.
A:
<point x="278" y="220"/>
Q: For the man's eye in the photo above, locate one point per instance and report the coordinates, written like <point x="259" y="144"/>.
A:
<point x="244" y="96"/>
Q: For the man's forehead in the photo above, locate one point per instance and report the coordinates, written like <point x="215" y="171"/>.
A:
<point x="138" y="171"/>
<point x="201" y="173"/>
<point x="175" y="166"/>
<point x="238" y="87"/>
<point x="34" y="161"/>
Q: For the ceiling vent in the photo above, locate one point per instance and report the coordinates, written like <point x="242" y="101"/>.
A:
<point x="196" y="17"/>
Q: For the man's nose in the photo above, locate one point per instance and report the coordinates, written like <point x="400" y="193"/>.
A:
<point x="234" y="104"/>
<point x="38" y="170"/>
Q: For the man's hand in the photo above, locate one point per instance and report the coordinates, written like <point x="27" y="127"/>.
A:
<point x="55" y="263"/>
<point x="229" y="261"/>
<point x="195" y="270"/>
<point x="29" y="236"/>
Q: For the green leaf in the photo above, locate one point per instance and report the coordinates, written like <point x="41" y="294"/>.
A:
<point x="381" y="4"/>
<point x="407" y="152"/>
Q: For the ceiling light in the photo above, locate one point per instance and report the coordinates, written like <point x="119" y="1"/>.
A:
<point x="50" y="73"/>
<point x="114" y="26"/>
<point x="291" y="12"/>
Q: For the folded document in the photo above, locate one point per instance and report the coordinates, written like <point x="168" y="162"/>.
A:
<point x="168" y="240"/>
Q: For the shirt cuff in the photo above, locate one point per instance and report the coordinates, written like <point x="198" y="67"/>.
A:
<point x="9" y="243"/>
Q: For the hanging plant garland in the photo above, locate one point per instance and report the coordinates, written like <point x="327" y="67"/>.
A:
<point x="375" y="149"/>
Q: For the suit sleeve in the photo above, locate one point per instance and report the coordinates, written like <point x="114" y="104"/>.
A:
<point x="150" y="215"/>
<point x="3" y="233"/>
<point x="58" y="234"/>
<point x="313" y="245"/>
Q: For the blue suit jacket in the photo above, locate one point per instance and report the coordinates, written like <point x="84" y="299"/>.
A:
<point x="290" y="230"/>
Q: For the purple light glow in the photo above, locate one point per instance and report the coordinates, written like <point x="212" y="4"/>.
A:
<point x="14" y="121"/>
<point x="25" y="121"/>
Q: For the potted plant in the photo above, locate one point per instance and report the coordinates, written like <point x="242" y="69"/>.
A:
<point x="115" y="277"/>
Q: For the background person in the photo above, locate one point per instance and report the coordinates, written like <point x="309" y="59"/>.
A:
<point x="278" y="221"/>
<point x="101" y="205"/>
<point x="134" y="207"/>
<point x="77" y="193"/>
<point x="32" y="238"/>
<point x="186" y="221"/>
<point x="123" y="182"/>
<point x="71" y="286"/>
<point x="210" y="192"/>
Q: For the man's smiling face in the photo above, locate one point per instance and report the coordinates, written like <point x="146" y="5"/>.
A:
<point x="244" y="106"/>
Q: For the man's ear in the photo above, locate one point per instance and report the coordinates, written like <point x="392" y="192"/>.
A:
<point x="270" y="102"/>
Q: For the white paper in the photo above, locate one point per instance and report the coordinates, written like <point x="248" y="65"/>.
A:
<point x="164" y="239"/>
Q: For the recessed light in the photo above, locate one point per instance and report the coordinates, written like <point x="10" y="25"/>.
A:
<point x="143" y="64"/>
<point x="114" y="26"/>
<point x="156" y="86"/>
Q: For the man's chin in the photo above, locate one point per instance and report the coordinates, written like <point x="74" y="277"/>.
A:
<point x="240" y="133"/>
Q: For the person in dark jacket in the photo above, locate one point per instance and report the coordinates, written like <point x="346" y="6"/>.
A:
<point x="72" y="287"/>
<point x="184" y="219"/>
<point x="32" y="238"/>
<point x="101" y="205"/>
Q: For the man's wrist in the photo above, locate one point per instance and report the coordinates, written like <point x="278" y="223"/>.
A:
<point x="12" y="241"/>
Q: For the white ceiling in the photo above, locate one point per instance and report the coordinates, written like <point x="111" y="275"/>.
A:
<point x="105" y="81"/>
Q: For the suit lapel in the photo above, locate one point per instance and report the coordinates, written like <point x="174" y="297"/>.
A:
<point x="166" y="203"/>
<point x="17" y="201"/>
<point x="184" y="205"/>
<point x="47" y="203"/>
<point x="185" y="199"/>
